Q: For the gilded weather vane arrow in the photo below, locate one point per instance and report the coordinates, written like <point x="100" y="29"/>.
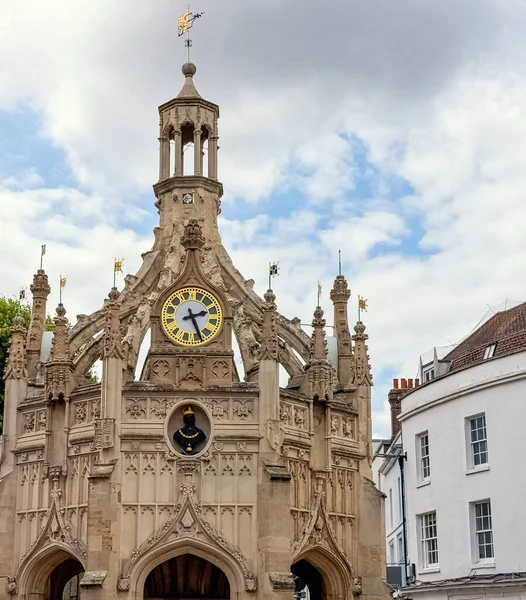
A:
<point x="184" y="24"/>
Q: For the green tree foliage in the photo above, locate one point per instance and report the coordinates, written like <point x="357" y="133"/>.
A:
<point x="8" y="311"/>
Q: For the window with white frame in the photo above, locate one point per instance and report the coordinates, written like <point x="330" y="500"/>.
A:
<point x="429" y="540"/>
<point x="429" y="375"/>
<point x="400" y="541"/>
<point x="424" y="465"/>
<point x="489" y="351"/>
<point x="478" y="441"/>
<point x="483" y="530"/>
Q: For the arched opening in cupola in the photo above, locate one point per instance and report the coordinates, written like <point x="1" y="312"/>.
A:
<point x="187" y="140"/>
<point x="204" y="166"/>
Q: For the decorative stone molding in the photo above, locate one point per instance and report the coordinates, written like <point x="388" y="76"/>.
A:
<point x="281" y="581"/>
<point x="56" y="528"/>
<point x="103" y="433"/>
<point x="362" y="367"/>
<point x="93" y="579"/>
<point x="11" y="587"/>
<point x="193" y="236"/>
<point x="16" y="367"/>
<point x="318" y="530"/>
<point x="112" y="332"/>
<point x="187" y="523"/>
<point x="268" y="349"/>
<point x="340" y="290"/>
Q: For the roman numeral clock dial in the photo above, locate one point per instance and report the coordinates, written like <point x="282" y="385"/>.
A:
<point x="191" y="316"/>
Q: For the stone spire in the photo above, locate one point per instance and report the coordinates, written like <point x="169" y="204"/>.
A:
<point x="40" y="290"/>
<point x="188" y="90"/>
<point x="319" y="370"/>
<point x="59" y="365"/>
<point x="16" y="367"/>
<point x="340" y="295"/>
<point x="361" y="358"/>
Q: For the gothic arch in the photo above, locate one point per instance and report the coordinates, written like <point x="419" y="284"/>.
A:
<point x="32" y="575"/>
<point x="175" y="548"/>
<point x="336" y="574"/>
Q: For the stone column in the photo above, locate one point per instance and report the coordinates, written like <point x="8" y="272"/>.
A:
<point x="164" y="158"/>
<point x="178" y="153"/>
<point x="102" y="560"/>
<point x="212" y="157"/>
<point x="197" y="152"/>
<point x="274" y="519"/>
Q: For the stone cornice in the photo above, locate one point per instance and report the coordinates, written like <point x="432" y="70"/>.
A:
<point x="188" y="182"/>
<point x="189" y="102"/>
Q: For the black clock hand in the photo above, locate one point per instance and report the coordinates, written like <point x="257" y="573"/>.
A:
<point x="194" y="322"/>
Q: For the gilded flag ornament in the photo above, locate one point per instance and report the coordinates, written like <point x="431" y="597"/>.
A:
<point x="184" y="24"/>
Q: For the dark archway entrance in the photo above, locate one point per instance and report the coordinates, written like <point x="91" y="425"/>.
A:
<point x="309" y="575"/>
<point x="64" y="580"/>
<point x="187" y="576"/>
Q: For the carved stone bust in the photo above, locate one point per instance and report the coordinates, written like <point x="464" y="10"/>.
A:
<point x="189" y="436"/>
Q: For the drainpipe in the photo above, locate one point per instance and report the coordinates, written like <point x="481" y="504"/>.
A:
<point x="401" y="460"/>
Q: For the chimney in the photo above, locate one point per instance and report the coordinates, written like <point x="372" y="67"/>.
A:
<point x="395" y="396"/>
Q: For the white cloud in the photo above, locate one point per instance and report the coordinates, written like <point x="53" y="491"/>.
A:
<point x="434" y="93"/>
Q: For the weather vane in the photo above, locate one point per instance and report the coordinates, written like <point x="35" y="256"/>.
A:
<point x="184" y="24"/>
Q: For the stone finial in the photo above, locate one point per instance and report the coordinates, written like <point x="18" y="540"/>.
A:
<point x="58" y="367"/>
<point x="112" y="332"/>
<point x="193" y="238"/>
<point x="320" y="372"/>
<point x="16" y="367"/>
<point x="189" y="90"/>
<point x="40" y="287"/>
<point x="340" y="290"/>
<point x="318" y="344"/>
<point x="40" y="290"/>
<point x="362" y="368"/>
<point x="268" y="349"/>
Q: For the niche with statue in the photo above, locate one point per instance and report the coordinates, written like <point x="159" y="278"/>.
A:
<point x="188" y="429"/>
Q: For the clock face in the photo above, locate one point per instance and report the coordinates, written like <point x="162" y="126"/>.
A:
<point x="191" y="316"/>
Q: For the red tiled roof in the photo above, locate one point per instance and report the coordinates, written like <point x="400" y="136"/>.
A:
<point x="506" y="329"/>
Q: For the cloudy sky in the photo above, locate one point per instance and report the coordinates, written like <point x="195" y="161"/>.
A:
<point x="392" y="130"/>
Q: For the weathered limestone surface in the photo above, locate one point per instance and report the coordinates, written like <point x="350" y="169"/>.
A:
<point x="91" y="479"/>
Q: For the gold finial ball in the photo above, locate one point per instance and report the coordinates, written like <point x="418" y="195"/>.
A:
<point x="189" y="69"/>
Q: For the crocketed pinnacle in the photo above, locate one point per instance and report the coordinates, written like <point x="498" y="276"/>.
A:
<point x="16" y="361"/>
<point x="340" y="290"/>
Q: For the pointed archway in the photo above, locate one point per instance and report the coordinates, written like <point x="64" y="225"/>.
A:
<point x="186" y="576"/>
<point x="308" y="580"/>
<point x="63" y="583"/>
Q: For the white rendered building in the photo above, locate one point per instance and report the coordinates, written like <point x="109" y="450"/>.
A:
<point x="463" y="431"/>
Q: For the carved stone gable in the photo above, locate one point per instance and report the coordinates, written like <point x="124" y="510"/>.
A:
<point x="56" y="529"/>
<point x="187" y="523"/>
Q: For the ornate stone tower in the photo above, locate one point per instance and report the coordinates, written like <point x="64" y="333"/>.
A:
<point x="185" y="478"/>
